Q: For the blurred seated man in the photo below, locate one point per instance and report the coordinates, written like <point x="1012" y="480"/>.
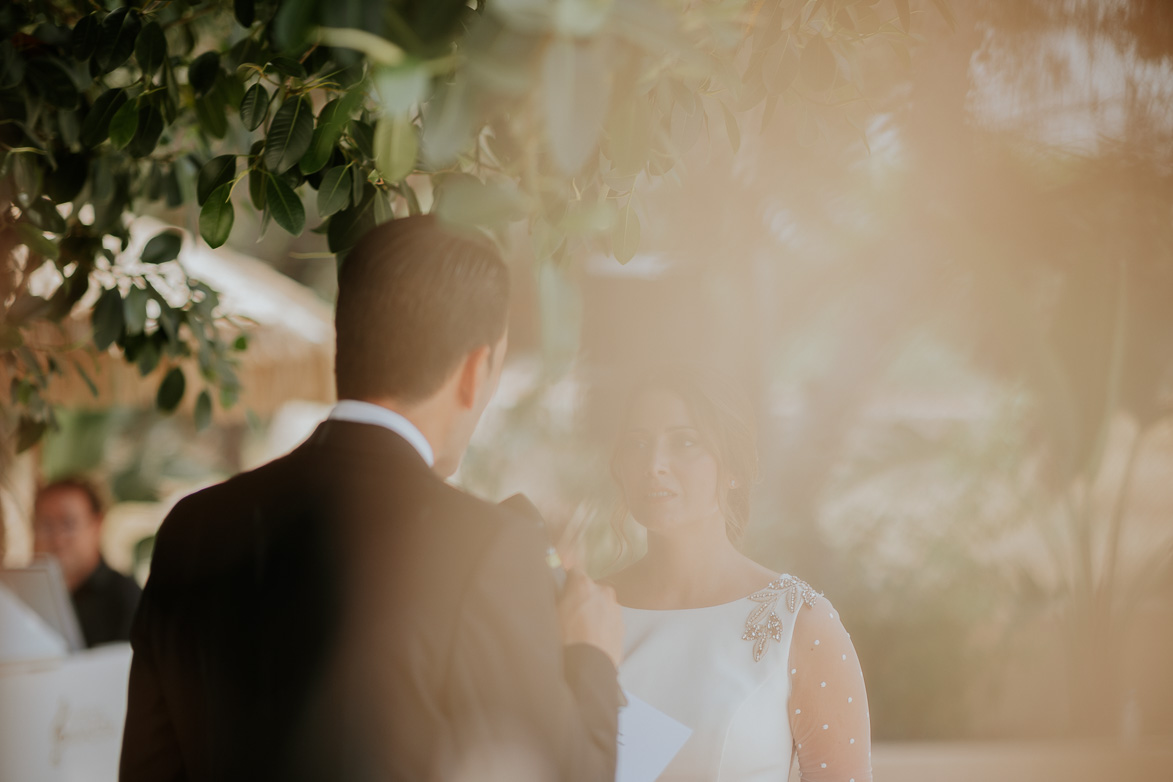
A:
<point x="67" y="523"/>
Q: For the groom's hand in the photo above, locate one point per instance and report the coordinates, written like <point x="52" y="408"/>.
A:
<point x="589" y="614"/>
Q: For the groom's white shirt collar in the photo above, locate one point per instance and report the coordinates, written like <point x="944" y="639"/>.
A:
<point x="368" y="413"/>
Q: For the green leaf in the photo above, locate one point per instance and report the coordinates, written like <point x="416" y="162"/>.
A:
<point x="134" y="310"/>
<point x="905" y="14"/>
<point x="246" y="50"/>
<point x="630" y="136"/>
<point x="289" y="135"/>
<point x="575" y="94"/>
<point x="291" y="25"/>
<point x="332" y="122"/>
<point x="230" y="89"/>
<point x="148" y="355"/>
<point x="334" y="192"/>
<point x="107" y="318"/>
<point x="401" y="87"/>
<point x="465" y="200"/>
<point x="448" y="124"/>
<point x="29" y="177"/>
<point x="116" y="39"/>
<point x="284" y="205"/>
<point x="364" y="137"/>
<point x="256" y="187"/>
<point x="210" y="111"/>
<point x="381" y="207"/>
<point x="320" y="151"/>
<point x="162" y="247"/>
<point x="151" y="48"/>
<point x="29" y="432"/>
<point x="396" y="146"/>
<point x="33" y="238"/>
<point x="245" y="12"/>
<point x="358" y="192"/>
<point x="169" y="318"/>
<point x="146" y="136"/>
<point x="124" y="124"/>
<point x="817" y="66"/>
<point x="50" y="78"/>
<point x="287" y="66"/>
<point x="11" y="66"/>
<point x="85" y="376"/>
<point x="217" y="216"/>
<point x="241" y="343"/>
<point x="203" y="408"/>
<point x="347" y="226"/>
<point x="217" y="171"/>
<point x="413" y="202"/>
<point x="69" y="125"/>
<point x="338" y="112"/>
<point x="625" y="235"/>
<point x="43" y="214"/>
<point x="83" y="41"/>
<point x="172" y="190"/>
<point x="64" y="183"/>
<point x="946" y="12"/>
<point x="72" y="288"/>
<point x="171" y="390"/>
<point x="254" y="107"/>
<point x="202" y="72"/>
<point x="171" y="85"/>
<point x="154" y="183"/>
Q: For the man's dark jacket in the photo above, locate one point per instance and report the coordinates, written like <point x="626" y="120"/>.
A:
<point x="105" y="603"/>
<point x="341" y="613"/>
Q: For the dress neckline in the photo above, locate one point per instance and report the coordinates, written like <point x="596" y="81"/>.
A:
<point x="741" y="599"/>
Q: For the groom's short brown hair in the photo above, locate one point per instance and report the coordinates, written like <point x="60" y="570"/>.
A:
<point x="414" y="298"/>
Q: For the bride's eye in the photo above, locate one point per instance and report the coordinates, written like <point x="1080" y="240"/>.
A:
<point x="634" y="444"/>
<point x="685" y="440"/>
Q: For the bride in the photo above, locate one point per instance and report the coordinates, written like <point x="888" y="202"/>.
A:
<point x="756" y="663"/>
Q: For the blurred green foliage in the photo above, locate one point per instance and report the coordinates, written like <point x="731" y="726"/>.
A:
<point x="485" y="112"/>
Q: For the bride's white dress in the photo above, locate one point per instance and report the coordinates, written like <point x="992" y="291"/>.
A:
<point x="757" y="680"/>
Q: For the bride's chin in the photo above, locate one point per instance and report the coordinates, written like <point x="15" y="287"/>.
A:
<point x="658" y="523"/>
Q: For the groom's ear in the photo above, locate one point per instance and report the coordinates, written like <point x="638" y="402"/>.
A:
<point x="474" y="373"/>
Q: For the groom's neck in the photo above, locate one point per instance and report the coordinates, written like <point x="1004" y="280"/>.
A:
<point x="433" y="417"/>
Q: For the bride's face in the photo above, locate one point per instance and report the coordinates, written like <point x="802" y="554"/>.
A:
<point x="669" y="478"/>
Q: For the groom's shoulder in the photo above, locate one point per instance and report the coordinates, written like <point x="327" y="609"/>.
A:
<point x="251" y="483"/>
<point x="214" y="515"/>
<point x="462" y="508"/>
<point x="482" y="520"/>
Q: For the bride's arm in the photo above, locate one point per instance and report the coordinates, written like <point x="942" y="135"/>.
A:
<point x="828" y="705"/>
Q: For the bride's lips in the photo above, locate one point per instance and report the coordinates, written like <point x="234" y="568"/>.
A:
<point x="658" y="495"/>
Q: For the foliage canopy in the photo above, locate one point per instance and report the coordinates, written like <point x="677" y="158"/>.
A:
<point x="340" y="115"/>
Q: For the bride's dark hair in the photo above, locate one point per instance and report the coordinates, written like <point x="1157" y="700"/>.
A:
<point x="725" y="421"/>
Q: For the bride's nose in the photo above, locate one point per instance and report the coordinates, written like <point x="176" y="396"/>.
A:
<point x="658" y="459"/>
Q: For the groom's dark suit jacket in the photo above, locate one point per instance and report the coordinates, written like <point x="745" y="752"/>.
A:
<point x="341" y="613"/>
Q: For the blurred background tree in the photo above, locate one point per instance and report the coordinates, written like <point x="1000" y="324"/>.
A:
<point x="959" y="337"/>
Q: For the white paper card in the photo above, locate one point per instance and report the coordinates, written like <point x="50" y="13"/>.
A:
<point x="648" y="740"/>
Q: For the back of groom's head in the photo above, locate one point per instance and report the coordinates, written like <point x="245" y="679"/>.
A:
<point x="414" y="298"/>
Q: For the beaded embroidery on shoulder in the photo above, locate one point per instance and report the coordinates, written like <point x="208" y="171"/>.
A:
<point x="762" y="631"/>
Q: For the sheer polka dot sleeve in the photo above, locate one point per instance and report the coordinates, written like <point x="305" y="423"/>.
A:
<point x="828" y="704"/>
